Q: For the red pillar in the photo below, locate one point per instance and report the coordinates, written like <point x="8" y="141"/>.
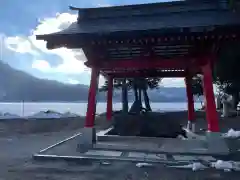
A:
<point x="190" y="99"/>
<point x="109" y="98"/>
<point x="91" y="107"/>
<point x="210" y="106"/>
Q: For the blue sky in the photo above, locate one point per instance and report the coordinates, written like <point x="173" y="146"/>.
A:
<point x="21" y="20"/>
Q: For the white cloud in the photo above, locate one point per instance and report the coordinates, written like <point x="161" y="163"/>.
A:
<point x="20" y="45"/>
<point x="72" y="60"/>
<point x="73" y="81"/>
<point x="2" y="45"/>
<point x="51" y="25"/>
<point x="41" y="65"/>
<point x="103" y="5"/>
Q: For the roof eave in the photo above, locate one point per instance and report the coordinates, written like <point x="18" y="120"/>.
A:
<point x="51" y="45"/>
<point x="51" y="41"/>
<point x="54" y="35"/>
<point x="42" y="37"/>
<point x="59" y="40"/>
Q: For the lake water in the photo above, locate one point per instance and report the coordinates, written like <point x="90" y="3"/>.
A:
<point x="27" y="109"/>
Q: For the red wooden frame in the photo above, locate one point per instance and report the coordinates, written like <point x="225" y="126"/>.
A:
<point x="131" y="74"/>
<point x="109" y="98"/>
<point x="190" y="99"/>
<point x="133" y="66"/>
<point x="145" y="63"/>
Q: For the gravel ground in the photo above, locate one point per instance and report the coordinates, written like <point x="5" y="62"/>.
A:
<point x="16" y="164"/>
<point x="17" y="149"/>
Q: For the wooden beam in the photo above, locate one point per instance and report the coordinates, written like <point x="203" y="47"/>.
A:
<point x="146" y="63"/>
<point x="176" y="74"/>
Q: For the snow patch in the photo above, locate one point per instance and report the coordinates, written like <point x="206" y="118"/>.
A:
<point x="219" y="165"/>
<point x="226" y="165"/>
<point x="194" y="166"/>
<point x="192" y="135"/>
<point x="69" y="114"/>
<point x="46" y="114"/>
<point x="42" y="114"/>
<point x="8" y="116"/>
<point x="232" y="134"/>
<point x="143" y="165"/>
<point x="104" y="132"/>
<point x="52" y="114"/>
<point x="105" y="163"/>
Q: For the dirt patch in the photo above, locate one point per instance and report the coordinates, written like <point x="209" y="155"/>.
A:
<point x="32" y="126"/>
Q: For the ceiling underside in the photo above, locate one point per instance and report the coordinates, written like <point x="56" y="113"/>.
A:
<point x="163" y="51"/>
<point x="127" y="73"/>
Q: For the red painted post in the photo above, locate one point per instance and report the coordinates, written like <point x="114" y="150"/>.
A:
<point x="191" y="116"/>
<point x="91" y="107"/>
<point x="109" y="98"/>
<point x="210" y="105"/>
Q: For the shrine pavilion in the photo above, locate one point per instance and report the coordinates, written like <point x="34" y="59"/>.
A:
<point x="169" y="39"/>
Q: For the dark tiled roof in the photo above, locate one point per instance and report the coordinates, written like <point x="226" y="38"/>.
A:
<point x="101" y="22"/>
<point x="174" y="20"/>
<point x="150" y="8"/>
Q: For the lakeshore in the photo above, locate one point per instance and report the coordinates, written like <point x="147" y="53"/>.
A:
<point x="44" y="125"/>
<point x="80" y="108"/>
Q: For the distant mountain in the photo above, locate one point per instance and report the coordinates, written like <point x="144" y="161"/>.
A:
<point x="17" y="86"/>
<point x="162" y="94"/>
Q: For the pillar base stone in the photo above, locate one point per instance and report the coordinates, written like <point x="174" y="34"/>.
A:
<point x="87" y="139"/>
<point x="216" y="143"/>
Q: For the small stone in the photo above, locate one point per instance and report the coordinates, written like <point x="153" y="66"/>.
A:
<point x="105" y="163"/>
<point x="143" y="165"/>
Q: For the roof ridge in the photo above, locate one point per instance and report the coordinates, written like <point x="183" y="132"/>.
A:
<point x="130" y="5"/>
